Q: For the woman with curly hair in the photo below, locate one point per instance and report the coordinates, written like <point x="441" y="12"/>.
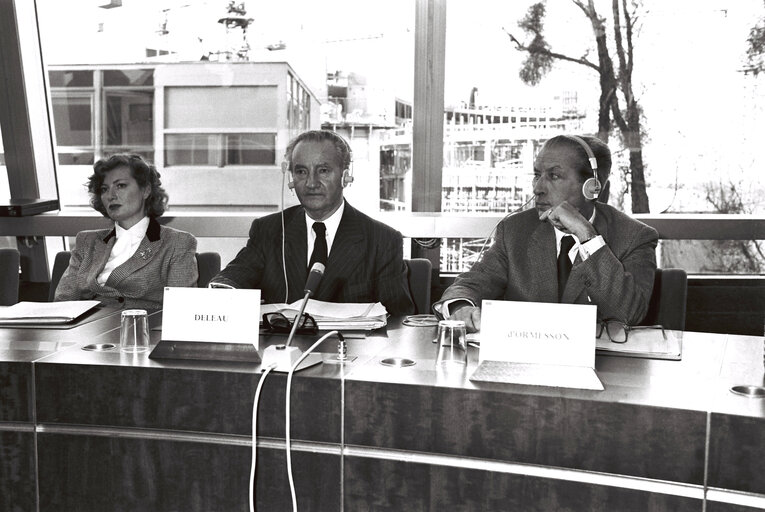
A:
<point x="131" y="264"/>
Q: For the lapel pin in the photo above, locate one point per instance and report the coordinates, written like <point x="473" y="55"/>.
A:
<point x="145" y="253"/>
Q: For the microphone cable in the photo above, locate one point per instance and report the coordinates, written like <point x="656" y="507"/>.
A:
<point x="255" y="436"/>
<point x="287" y="436"/>
<point x="284" y="236"/>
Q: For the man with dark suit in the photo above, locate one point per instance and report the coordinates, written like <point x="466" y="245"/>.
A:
<point x="363" y="257"/>
<point x="570" y="248"/>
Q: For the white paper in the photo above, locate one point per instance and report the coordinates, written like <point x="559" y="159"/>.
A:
<point x="217" y="315"/>
<point x="64" y="311"/>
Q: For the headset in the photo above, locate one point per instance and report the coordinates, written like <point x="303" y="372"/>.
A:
<point x="321" y="135"/>
<point x="591" y="187"/>
<point x="347" y="179"/>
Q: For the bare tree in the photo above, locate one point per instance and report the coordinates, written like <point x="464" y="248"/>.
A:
<point x="617" y="101"/>
<point x="733" y="255"/>
<point x="755" y="51"/>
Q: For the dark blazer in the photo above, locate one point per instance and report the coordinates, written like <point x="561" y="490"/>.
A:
<point x="365" y="263"/>
<point x="165" y="257"/>
<point x="522" y="266"/>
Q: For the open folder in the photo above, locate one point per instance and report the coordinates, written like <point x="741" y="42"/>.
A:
<point x="45" y="312"/>
<point x="335" y="315"/>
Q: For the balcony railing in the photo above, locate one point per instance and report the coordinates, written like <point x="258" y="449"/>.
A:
<point x="414" y="225"/>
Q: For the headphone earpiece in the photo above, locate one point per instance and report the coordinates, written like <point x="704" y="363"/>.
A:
<point x="347" y="178"/>
<point x="591" y="187"/>
<point x="285" y="170"/>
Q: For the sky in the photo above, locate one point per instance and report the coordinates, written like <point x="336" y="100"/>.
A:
<point x="704" y="117"/>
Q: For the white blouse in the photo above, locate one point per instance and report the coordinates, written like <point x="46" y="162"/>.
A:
<point x="127" y="243"/>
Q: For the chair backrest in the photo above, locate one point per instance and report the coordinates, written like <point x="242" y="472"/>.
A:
<point x="59" y="266"/>
<point x="668" y="299"/>
<point x="9" y="276"/>
<point x="418" y="274"/>
<point x="208" y="264"/>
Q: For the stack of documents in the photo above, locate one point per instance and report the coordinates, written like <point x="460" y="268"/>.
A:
<point x="45" y="312"/>
<point x="647" y="342"/>
<point x="333" y="315"/>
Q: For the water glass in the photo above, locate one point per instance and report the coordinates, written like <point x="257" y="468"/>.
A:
<point x="452" y="343"/>
<point x="134" y="331"/>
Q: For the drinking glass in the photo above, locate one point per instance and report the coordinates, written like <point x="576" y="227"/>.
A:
<point x="134" y="331"/>
<point x="452" y="344"/>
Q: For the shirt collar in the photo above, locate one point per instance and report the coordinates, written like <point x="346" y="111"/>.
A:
<point x="137" y="232"/>
<point x="332" y="223"/>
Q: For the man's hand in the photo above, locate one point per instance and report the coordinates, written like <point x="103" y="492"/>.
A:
<point x="569" y="220"/>
<point x="471" y="315"/>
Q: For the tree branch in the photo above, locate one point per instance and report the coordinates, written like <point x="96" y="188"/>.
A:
<point x="522" y="47"/>
<point x="584" y="9"/>
<point x="618" y="40"/>
<point x="629" y="19"/>
<point x="617" y="113"/>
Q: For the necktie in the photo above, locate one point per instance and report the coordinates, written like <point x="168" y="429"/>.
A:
<point x="564" y="263"/>
<point x="320" y="245"/>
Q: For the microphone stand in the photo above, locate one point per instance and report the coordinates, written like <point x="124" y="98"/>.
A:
<point x="295" y="323"/>
<point x="282" y="357"/>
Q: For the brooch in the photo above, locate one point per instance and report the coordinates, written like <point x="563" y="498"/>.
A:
<point x="145" y="254"/>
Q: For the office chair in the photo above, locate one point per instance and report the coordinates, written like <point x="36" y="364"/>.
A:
<point x="59" y="266"/>
<point x="208" y="264"/>
<point x="418" y="273"/>
<point x="9" y="276"/>
<point x="668" y="299"/>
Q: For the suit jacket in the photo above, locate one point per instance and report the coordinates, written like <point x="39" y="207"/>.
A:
<point x="165" y="257"/>
<point x="521" y="265"/>
<point x="365" y="262"/>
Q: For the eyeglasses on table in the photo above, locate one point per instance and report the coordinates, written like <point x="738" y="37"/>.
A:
<point x="618" y="332"/>
<point x="278" y="323"/>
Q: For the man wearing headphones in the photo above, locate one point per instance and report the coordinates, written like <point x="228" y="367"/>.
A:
<point x="571" y="248"/>
<point x="363" y="257"/>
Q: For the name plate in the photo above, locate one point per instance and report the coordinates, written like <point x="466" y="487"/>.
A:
<point x="538" y="344"/>
<point x="539" y="333"/>
<point x="213" y="315"/>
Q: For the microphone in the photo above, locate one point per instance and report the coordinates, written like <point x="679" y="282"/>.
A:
<point x="282" y="357"/>
<point x="314" y="277"/>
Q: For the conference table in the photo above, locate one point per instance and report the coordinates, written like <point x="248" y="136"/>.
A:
<point x="104" y="430"/>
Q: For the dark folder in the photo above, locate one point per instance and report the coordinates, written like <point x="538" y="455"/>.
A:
<point x="22" y="207"/>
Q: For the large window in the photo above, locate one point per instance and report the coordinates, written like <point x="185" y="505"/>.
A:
<point x="170" y="81"/>
<point x="688" y="126"/>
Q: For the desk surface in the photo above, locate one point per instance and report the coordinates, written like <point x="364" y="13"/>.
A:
<point x="658" y="421"/>
<point x="701" y="381"/>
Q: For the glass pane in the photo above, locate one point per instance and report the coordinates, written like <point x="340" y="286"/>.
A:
<point x="129" y="118"/>
<point x="73" y="119"/>
<point x="686" y="164"/>
<point x="71" y="78"/>
<point x="698" y="138"/>
<point x="84" y="158"/>
<point x="193" y="150"/>
<point x="250" y="148"/>
<point x="123" y="77"/>
<point x="221" y="149"/>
